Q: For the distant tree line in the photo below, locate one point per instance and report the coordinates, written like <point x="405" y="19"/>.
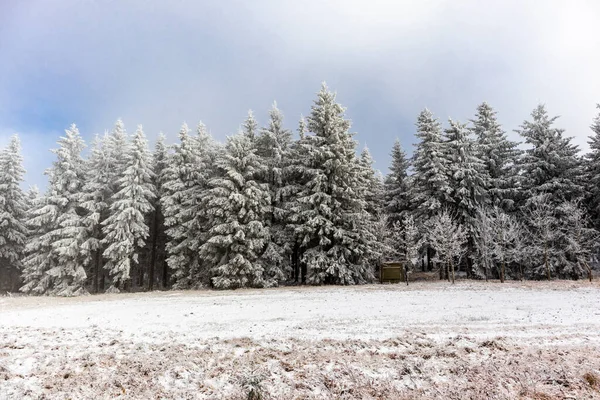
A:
<point x="268" y="207"/>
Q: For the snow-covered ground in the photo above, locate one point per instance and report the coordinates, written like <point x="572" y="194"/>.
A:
<point x="472" y="340"/>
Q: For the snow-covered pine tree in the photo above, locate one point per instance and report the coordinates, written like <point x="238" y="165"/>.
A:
<point x="430" y="190"/>
<point x="331" y="208"/>
<point x="13" y="207"/>
<point x="180" y="176"/>
<point x="396" y="187"/>
<point x="250" y="126"/>
<point x="468" y="179"/>
<point x="430" y="185"/>
<point x="372" y="189"/>
<point x="592" y="173"/>
<point x="550" y="168"/>
<point x="194" y="214"/>
<point x="273" y="148"/>
<point x="157" y="227"/>
<point x="125" y="230"/>
<point x="237" y="204"/>
<point x="467" y="175"/>
<point x="95" y="200"/>
<point x="296" y="173"/>
<point x="53" y="263"/>
<point x="499" y="156"/>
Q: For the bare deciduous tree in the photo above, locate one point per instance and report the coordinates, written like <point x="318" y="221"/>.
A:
<point x="448" y="238"/>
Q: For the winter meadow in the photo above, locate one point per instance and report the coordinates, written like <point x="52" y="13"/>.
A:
<point x="507" y="230"/>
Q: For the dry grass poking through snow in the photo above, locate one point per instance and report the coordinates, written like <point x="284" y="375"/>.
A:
<point x="470" y="341"/>
<point x="409" y="367"/>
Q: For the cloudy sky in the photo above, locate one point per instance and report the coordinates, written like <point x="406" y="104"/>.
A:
<point x="160" y="63"/>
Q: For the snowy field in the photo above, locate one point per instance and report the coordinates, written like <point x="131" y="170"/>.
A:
<point x="529" y="340"/>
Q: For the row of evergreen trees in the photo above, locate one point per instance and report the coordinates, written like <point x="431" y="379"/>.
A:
<point x="265" y="209"/>
<point x="476" y="200"/>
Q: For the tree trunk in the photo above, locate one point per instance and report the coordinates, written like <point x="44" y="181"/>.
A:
<point x="589" y="271"/>
<point x="97" y="261"/>
<point x="503" y="271"/>
<point x="546" y="261"/>
<point x="165" y="275"/>
<point x="102" y="282"/>
<point x="452" y="268"/>
<point x="153" y="251"/>
<point x="521" y="271"/>
<point x="429" y="266"/>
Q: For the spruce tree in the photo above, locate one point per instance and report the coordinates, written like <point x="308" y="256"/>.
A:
<point x="592" y="173"/>
<point x="273" y="149"/>
<point x="194" y="213"/>
<point x="550" y="169"/>
<point x="296" y="173"/>
<point x="52" y="264"/>
<point x="125" y="230"/>
<point x="237" y="204"/>
<point x="180" y="178"/>
<point x="467" y="179"/>
<point x="157" y="229"/>
<point x="250" y="127"/>
<point x="13" y="207"/>
<point x="331" y="207"/>
<point x="467" y="176"/>
<point x="396" y="187"/>
<point x="431" y="189"/>
<point x="372" y="235"/>
<point x="499" y="156"/>
<point x="96" y="199"/>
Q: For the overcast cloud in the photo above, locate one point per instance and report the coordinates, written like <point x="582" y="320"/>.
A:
<point x="160" y="63"/>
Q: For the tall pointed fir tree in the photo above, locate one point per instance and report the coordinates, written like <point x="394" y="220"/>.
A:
<point x="250" y="127"/>
<point x="13" y="207"/>
<point x="157" y="226"/>
<point x="180" y="177"/>
<point x="499" y="155"/>
<point x="468" y="179"/>
<point x="550" y="168"/>
<point x="331" y="207"/>
<point x="53" y="263"/>
<point x="431" y="189"/>
<point x="373" y="234"/>
<point x="592" y="173"/>
<point x="125" y="230"/>
<point x="396" y="188"/>
<point x="195" y="213"/>
<point x="96" y="199"/>
<point x="296" y="173"/>
<point x="273" y="148"/>
<point x="237" y="204"/>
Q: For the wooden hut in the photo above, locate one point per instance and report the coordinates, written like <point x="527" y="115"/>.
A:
<point x="391" y="271"/>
